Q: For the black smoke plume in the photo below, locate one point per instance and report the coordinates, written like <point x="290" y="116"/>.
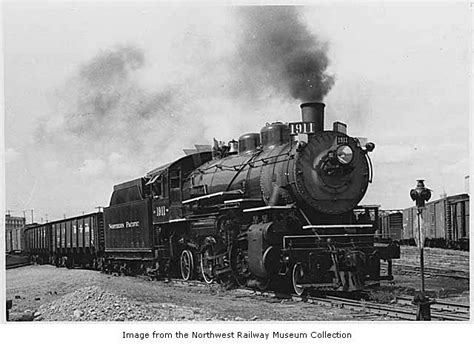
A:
<point x="105" y="110"/>
<point x="108" y="98"/>
<point x="277" y="50"/>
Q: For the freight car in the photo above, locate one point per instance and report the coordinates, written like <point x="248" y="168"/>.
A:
<point x="13" y="234"/>
<point x="14" y="240"/>
<point x="69" y="242"/>
<point x="279" y="207"/>
<point x="391" y="224"/>
<point x="445" y="223"/>
<point x="38" y="242"/>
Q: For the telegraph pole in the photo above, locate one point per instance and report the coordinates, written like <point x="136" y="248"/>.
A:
<point x="420" y="194"/>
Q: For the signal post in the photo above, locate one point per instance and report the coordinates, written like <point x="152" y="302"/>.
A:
<point x="420" y="194"/>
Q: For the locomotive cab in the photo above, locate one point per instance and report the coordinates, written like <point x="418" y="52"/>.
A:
<point x="167" y="182"/>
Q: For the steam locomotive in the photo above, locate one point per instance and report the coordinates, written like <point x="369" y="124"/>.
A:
<point x="279" y="207"/>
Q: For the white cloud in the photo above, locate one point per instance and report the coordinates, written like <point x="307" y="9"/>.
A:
<point x="120" y="166"/>
<point x="11" y="155"/>
<point x="393" y="153"/>
<point x="51" y="165"/>
<point x="460" y="167"/>
<point x="92" y="167"/>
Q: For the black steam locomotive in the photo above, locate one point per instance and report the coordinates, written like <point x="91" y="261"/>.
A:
<point x="277" y="207"/>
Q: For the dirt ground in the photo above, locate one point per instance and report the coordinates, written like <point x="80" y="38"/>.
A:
<point x="41" y="288"/>
<point x="440" y="287"/>
<point x="435" y="287"/>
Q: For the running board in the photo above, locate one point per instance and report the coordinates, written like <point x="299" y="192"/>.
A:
<point x="336" y="226"/>
<point x="214" y="195"/>
<point x="269" y="207"/>
<point x="171" y="221"/>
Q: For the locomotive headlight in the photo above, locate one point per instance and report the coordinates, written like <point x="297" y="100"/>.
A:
<point x="344" y="154"/>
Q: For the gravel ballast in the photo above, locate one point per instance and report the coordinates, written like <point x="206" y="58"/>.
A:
<point x="96" y="304"/>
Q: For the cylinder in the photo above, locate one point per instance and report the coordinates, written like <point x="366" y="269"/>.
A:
<point x="313" y="112"/>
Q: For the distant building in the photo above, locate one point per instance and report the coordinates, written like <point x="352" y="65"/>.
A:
<point x="13" y="236"/>
<point x="466" y="184"/>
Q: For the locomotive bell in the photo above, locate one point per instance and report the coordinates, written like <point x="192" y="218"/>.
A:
<point x="420" y="194"/>
<point x="233" y="147"/>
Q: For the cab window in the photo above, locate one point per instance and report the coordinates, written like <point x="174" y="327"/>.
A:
<point x="174" y="179"/>
<point x="157" y="188"/>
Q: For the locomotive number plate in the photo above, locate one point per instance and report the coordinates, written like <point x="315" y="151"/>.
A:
<point x="301" y="127"/>
<point x="342" y="140"/>
<point x="161" y="211"/>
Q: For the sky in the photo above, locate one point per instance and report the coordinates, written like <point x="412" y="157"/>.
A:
<point x="100" y="93"/>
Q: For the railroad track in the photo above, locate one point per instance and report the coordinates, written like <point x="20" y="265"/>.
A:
<point x="403" y="310"/>
<point x="442" y="306"/>
<point x="414" y="269"/>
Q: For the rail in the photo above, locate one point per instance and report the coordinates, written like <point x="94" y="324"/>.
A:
<point x="407" y="311"/>
<point x="457" y="309"/>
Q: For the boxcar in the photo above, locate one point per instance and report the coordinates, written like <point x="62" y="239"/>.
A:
<point x="445" y="222"/>
<point x="409" y="223"/>
<point x="459" y="220"/>
<point x="391" y="224"/>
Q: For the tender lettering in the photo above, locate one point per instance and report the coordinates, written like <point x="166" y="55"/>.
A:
<point x="127" y="224"/>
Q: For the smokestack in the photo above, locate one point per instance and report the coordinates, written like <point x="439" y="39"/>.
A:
<point x="313" y="112"/>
